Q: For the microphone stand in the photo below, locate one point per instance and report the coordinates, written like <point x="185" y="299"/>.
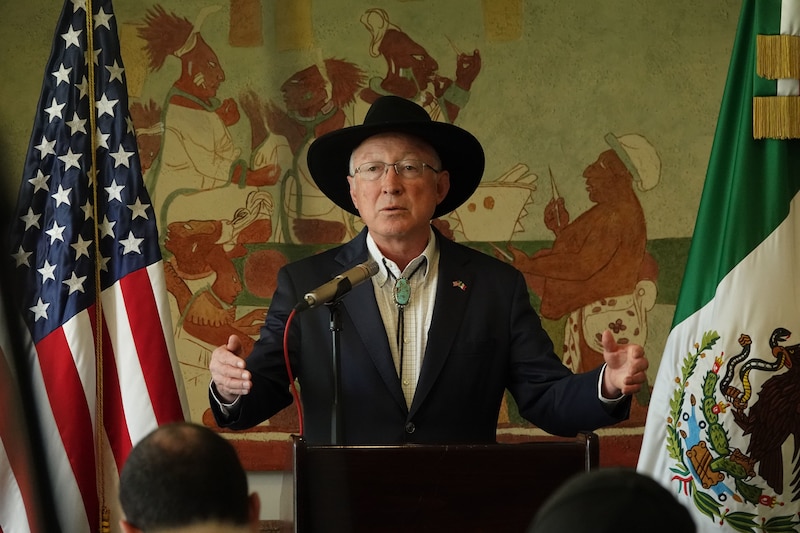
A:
<point x="336" y="413"/>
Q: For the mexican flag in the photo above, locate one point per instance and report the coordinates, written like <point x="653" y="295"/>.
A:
<point x="723" y="425"/>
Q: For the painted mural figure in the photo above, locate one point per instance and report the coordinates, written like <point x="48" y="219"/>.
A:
<point x="413" y="74"/>
<point x="317" y="100"/>
<point x="203" y="279"/>
<point x="197" y="152"/>
<point x="598" y="273"/>
<point x="193" y="166"/>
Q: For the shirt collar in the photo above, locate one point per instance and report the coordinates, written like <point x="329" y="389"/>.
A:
<point x="430" y="254"/>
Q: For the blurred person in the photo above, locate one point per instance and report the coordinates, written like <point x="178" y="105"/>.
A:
<point x="618" y="500"/>
<point x="185" y="477"/>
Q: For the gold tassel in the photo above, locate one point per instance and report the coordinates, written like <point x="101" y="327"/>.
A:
<point x="776" y="117"/>
<point x="778" y="56"/>
<point x="105" y="522"/>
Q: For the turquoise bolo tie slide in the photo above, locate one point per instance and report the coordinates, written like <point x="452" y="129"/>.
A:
<point x="402" y="291"/>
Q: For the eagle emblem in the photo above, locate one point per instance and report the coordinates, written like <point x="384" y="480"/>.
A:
<point x="728" y="425"/>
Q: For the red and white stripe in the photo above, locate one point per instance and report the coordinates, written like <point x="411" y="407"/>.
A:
<point x="141" y="389"/>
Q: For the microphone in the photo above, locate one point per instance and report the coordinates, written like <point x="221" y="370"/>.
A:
<point x="338" y="286"/>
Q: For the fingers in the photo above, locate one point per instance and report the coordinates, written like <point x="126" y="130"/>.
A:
<point x="234" y="345"/>
<point x="228" y="370"/>
<point x="608" y="341"/>
<point x="627" y="365"/>
<point x="637" y="366"/>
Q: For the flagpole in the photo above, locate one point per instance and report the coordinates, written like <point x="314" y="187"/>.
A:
<point x="104" y="517"/>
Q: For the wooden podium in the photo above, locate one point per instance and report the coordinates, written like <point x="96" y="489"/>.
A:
<point x="421" y="488"/>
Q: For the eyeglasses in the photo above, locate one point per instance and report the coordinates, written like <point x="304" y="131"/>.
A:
<point x="406" y="169"/>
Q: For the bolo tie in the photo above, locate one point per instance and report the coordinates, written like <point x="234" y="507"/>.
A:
<point x="402" y="295"/>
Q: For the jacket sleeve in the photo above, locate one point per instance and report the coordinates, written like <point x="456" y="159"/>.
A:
<point x="266" y="363"/>
<point x="547" y="393"/>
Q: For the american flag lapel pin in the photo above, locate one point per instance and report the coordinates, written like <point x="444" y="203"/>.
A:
<point x="460" y="284"/>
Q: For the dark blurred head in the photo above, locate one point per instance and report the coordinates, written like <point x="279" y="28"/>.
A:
<point x="617" y="500"/>
<point x="183" y="474"/>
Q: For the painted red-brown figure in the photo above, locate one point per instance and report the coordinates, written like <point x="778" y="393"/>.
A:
<point x="149" y="131"/>
<point x="198" y="152"/>
<point x="208" y="314"/>
<point x="316" y="101"/>
<point x="598" y="272"/>
<point x="412" y="73"/>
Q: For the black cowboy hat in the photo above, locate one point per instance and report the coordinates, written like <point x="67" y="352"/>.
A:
<point x="459" y="151"/>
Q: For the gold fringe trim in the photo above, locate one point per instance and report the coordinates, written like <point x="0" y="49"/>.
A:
<point x="778" y="56"/>
<point x="776" y="117"/>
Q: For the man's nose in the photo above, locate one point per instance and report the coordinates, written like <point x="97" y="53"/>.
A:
<point x="391" y="178"/>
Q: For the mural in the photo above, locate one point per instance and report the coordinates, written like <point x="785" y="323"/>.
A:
<point x="596" y="125"/>
<point x="260" y="207"/>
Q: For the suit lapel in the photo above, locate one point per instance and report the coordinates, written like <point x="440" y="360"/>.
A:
<point x="362" y="308"/>
<point x="452" y="295"/>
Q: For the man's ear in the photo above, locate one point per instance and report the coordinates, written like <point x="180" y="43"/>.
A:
<point x="128" y="528"/>
<point x="442" y="185"/>
<point x="254" y="505"/>
<point x="352" y="182"/>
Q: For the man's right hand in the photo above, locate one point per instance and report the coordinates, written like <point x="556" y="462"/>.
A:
<point x="228" y="370"/>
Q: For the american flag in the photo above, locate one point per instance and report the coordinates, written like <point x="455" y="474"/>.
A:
<point x="84" y="246"/>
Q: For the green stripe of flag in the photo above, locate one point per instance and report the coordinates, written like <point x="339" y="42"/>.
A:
<point x="749" y="183"/>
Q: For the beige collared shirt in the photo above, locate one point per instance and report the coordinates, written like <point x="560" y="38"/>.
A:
<point x="422" y="274"/>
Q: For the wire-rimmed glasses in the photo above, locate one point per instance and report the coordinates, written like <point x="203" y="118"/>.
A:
<point x="406" y="169"/>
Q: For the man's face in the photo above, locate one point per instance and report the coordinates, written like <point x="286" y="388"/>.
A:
<point x="396" y="208"/>
<point x="606" y="176"/>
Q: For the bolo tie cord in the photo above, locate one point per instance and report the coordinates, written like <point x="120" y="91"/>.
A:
<point x="402" y="295"/>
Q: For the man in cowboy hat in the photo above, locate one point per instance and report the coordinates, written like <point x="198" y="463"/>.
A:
<point x="429" y="345"/>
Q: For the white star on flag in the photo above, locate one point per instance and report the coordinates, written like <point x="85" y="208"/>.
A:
<point x="131" y="244"/>
<point x="70" y="160"/>
<point x="87" y="210"/>
<point x="46" y="147"/>
<point x="47" y="271"/>
<point x="138" y="209"/>
<point x="62" y="74"/>
<point x="62" y="195"/>
<point x="83" y="87"/>
<point x="40" y="309"/>
<point x="121" y="157"/>
<point x="107" y="227"/>
<point x="21" y="257"/>
<point x="102" y="19"/>
<point x="39" y="182"/>
<point x="114" y="191"/>
<point x="56" y="232"/>
<point x="81" y="247"/>
<point x="102" y="139"/>
<point x="105" y="106"/>
<point x="115" y="72"/>
<point x="77" y="124"/>
<point x="55" y="110"/>
<point x="71" y="37"/>
<point x="75" y="283"/>
<point x="30" y="219"/>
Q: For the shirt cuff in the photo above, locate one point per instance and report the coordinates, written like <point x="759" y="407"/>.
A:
<point x="607" y="401"/>
<point x="225" y="408"/>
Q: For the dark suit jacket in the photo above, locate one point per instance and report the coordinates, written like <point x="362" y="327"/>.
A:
<point x="484" y="338"/>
